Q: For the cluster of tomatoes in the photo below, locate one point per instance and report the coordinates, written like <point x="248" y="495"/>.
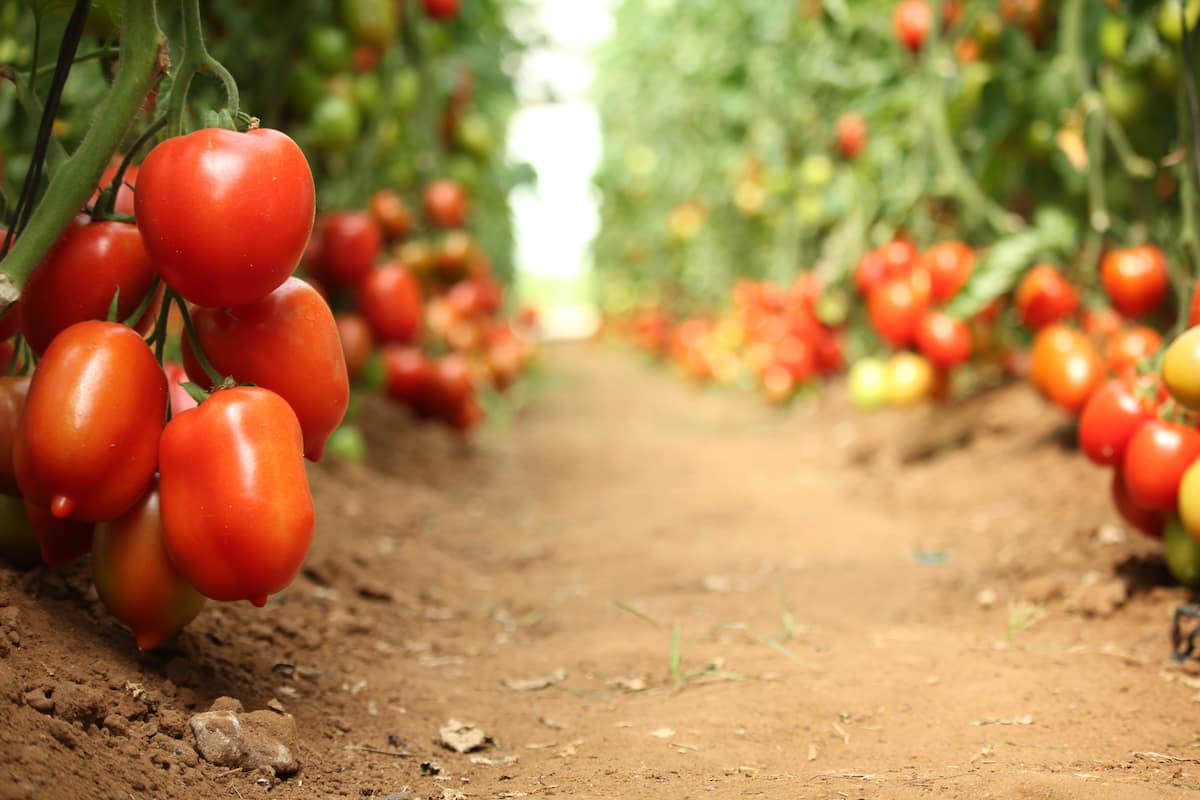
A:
<point x="912" y="20"/>
<point x="184" y="482"/>
<point x="422" y="314"/>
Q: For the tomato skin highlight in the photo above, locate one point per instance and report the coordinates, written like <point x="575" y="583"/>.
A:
<point x="949" y="265"/>
<point x="1136" y="279"/>
<point x="1044" y="297"/>
<point x="1156" y="457"/>
<point x="136" y="580"/>
<point x="851" y="132"/>
<point x="257" y="344"/>
<point x="390" y="300"/>
<point x="77" y="279"/>
<point x="351" y="243"/>
<point x="236" y="509"/>
<point x="911" y="20"/>
<point x="895" y="309"/>
<point x="1109" y="419"/>
<point x="225" y="216"/>
<point x="945" y="341"/>
<point x="87" y="444"/>
<point x="1066" y="368"/>
<point x="13" y="391"/>
<point x="446" y="203"/>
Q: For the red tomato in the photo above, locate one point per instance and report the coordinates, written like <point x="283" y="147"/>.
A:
<point x="949" y="265"/>
<point x="1126" y="348"/>
<point x="77" y="279"/>
<point x="11" y="320"/>
<point x="1066" y="367"/>
<point x="60" y="541"/>
<point x="1136" y="279"/>
<point x="408" y="377"/>
<point x="945" y="341"/>
<point x="351" y="244"/>
<point x="259" y="343"/>
<point x="236" y="509"/>
<point x="1158" y="454"/>
<point x="12" y="403"/>
<point x="911" y="20"/>
<point x="124" y="203"/>
<point x="441" y="9"/>
<point x="831" y="357"/>
<point x="871" y="273"/>
<point x="1102" y="323"/>
<point x="1045" y="297"/>
<point x="88" y="440"/>
<point x="851" y="131"/>
<point x="177" y="376"/>
<point x="446" y="204"/>
<point x="900" y="255"/>
<point x="136" y="580"/>
<point x="391" y="213"/>
<point x="1151" y="523"/>
<point x="357" y="342"/>
<point x="225" y="215"/>
<point x="796" y="356"/>
<point x="804" y="292"/>
<point x="1193" y="308"/>
<point x="390" y="299"/>
<point x="1109" y="419"/>
<point x="896" y="309"/>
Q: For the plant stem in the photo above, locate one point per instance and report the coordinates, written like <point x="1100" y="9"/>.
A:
<point x="108" y="198"/>
<point x="141" y="60"/>
<point x="56" y="155"/>
<point x="196" y="58"/>
<point x="197" y="350"/>
<point x="90" y="55"/>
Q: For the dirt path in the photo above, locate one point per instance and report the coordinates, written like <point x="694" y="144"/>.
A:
<point x="902" y="605"/>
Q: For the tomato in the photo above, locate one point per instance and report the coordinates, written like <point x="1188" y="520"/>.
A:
<point x="236" y="509"/>
<point x="911" y="20"/>
<point x="409" y="377"/>
<point x="1157" y="455"/>
<point x="336" y="123"/>
<point x="329" y="48"/>
<point x="777" y="383"/>
<point x="124" y="201"/>
<point x="177" y="376"/>
<point x="909" y="379"/>
<point x="1125" y="96"/>
<point x="867" y="382"/>
<point x="1189" y="500"/>
<point x="1171" y="15"/>
<point x="1181" y="552"/>
<point x="357" y="342"/>
<point x="441" y="9"/>
<point x="851" y="131"/>
<point x="87" y="443"/>
<point x="796" y="356"/>
<point x="1181" y="368"/>
<point x="136" y="580"/>
<point x="258" y="343"/>
<point x="391" y="213"/>
<point x="78" y="278"/>
<point x="830" y="354"/>
<point x="13" y="391"/>
<point x="1044" y="297"/>
<point x="1136" y="279"/>
<point x="945" y="341"/>
<point x="1109" y="419"/>
<point x="446" y="203"/>
<point x="1149" y="523"/>
<point x="225" y="215"/>
<point x="1102" y="323"/>
<point x="18" y="542"/>
<point x="1066" y="367"/>
<point x="949" y="265"/>
<point x="1128" y="347"/>
<point x="390" y="300"/>
<point x="60" y="541"/>
<point x="352" y="242"/>
<point x="896" y="309"/>
<point x="899" y="254"/>
<point x="373" y="22"/>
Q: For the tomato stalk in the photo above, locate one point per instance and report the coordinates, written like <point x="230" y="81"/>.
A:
<point x="190" y="329"/>
<point x="196" y="58"/>
<point x="142" y="57"/>
<point x="108" y="197"/>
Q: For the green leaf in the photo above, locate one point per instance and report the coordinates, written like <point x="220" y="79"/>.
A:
<point x="838" y="11"/>
<point x="997" y="272"/>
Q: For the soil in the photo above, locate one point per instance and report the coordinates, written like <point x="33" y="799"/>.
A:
<point x="636" y="588"/>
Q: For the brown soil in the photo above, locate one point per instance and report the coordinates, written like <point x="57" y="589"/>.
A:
<point x="899" y="605"/>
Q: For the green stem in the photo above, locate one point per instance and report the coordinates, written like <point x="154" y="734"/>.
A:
<point x="196" y="58"/>
<point x="31" y="104"/>
<point x="197" y="350"/>
<point x="91" y="55"/>
<point x="70" y="187"/>
<point x="159" y="336"/>
<point x="108" y="200"/>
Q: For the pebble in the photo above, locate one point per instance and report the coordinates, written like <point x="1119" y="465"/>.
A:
<point x="38" y="700"/>
<point x="247" y="740"/>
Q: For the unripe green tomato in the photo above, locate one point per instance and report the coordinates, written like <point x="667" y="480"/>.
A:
<point x="1165" y="70"/>
<point x="347" y="443"/>
<point x="374" y="376"/>
<point x="474" y="135"/>
<point x="336" y="123"/>
<point x="1169" y="18"/>
<point x="305" y="87"/>
<point x="367" y="92"/>
<point x="1113" y="35"/>
<point x="1039" y="138"/>
<point x="372" y="22"/>
<point x="867" y="383"/>
<point x="406" y="89"/>
<point x="816" y="170"/>
<point x="1181" y="552"/>
<point x="329" y="49"/>
<point x="18" y="542"/>
<point x="1124" y="95"/>
<point x="810" y="209"/>
<point x="1181" y="368"/>
<point x="400" y="172"/>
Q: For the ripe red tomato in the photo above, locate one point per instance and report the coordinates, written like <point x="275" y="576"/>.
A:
<point x="78" y="278"/>
<point x="258" y="343"/>
<point x="409" y="377"/>
<point x="949" y="265"/>
<point x="1136" y="279"/>
<point x="88" y="440"/>
<point x="1066" y="367"/>
<point x="357" y="342"/>
<point x="945" y="341"/>
<point x="1193" y="308"/>
<point x="177" y="376"/>
<point x="1151" y="523"/>
<point x="872" y="272"/>
<point x="900" y="255"/>
<point x="225" y="215"/>
<point x="11" y="319"/>
<point x="851" y="132"/>
<point x="351" y="244"/>
<point x="911" y="20"/>
<point x="1102" y="323"/>
<point x="796" y="356"/>
<point x="60" y="541"/>
<point x="136" y="580"/>
<point x="441" y="9"/>
<point x="1126" y="348"/>
<point x="1109" y="419"/>
<point x="831" y="356"/>
<point x="896" y="309"/>
<point x="1044" y="297"/>
<point x="1158" y="454"/>
<point x="390" y="299"/>
<point x="391" y="213"/>
<point x="446" y="203"/>
<point x="124" y="202"/>
<point x="13" y="391"/>
<point x="236" y="509"/>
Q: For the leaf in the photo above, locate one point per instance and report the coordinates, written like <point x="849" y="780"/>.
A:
<point x="838" y="11"/>
<point x="194" y="391"/>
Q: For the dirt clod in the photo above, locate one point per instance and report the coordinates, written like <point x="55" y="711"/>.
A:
<point x="247" y="740"/>
<point x="462" y="737"/>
